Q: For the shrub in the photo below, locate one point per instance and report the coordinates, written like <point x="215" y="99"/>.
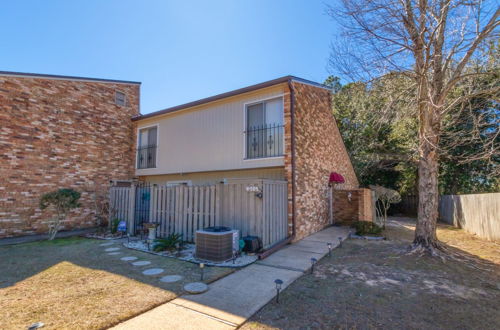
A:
<point x="367" y="228"/>
<point x="385" y="197"/>
<point x="62" y="200"/>
<point x="114" y="225"/>
<point x="171" y="242"/>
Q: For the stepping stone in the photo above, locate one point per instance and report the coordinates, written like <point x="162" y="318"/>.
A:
<point x="171" y="278"/>
<point x="141" y="263"/>
<point x="106" y="244"/>
<point x="153" y="271"/>
<point x="112" y="249"/>
<point x="196" y="287"/>
<point x="128" y="258"/>
<point x="114" y="253"/>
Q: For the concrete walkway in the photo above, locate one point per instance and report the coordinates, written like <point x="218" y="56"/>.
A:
<point x="233" y="299"/>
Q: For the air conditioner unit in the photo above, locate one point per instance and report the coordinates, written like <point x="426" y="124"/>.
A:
<point x="216" y="244"/>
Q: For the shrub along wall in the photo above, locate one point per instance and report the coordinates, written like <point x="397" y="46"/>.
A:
<point x="60" y="133"/>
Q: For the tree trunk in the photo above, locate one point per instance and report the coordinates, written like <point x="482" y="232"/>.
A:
<point x="428" y="193"/>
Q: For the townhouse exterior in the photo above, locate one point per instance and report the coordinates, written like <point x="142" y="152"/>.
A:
<point x="77" y="132"/>
<point x="281" y="129"/>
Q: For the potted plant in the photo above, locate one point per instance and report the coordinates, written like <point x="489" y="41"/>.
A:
<point x="151" y="227"/>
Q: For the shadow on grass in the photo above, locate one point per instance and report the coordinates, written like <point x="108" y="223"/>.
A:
<point x="74" y="282"/>
<point x="376" y="284"/>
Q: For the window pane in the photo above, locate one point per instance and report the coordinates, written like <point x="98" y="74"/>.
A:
<point x="143" y="138"/>
<point x="152" y="136"/>
<point x="255" y="115"/>
<point x="274" y="112"/>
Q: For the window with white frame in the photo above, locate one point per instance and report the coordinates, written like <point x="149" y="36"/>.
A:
<point x="146" y="147"/>
<point x="264" y="129"/>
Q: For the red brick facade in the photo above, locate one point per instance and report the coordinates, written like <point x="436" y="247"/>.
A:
<point x="353" y="205"/>
<point x="319" y="150"/>
<point x="58" y="133"/>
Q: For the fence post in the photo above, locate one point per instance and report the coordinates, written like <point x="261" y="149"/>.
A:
<point x="131" y="209"/>
<point x="217" y="203"/>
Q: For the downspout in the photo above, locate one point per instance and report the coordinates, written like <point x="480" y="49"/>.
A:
<point x="288" y="240"/>
<point x="292" y="138"/>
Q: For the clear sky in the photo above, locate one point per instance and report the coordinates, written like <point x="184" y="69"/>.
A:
<point x="180" y="50"/>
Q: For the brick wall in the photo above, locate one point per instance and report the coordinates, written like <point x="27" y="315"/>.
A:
<point x="352" y="205"/>
<point x="60" y="133"/>
<point x="319" y="150"/>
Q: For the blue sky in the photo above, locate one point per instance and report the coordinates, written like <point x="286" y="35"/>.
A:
<point x="180" y="50"/>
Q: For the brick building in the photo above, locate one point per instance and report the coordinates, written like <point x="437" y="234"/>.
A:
<point x="71" y="132"/>
<point x="61" y="132"/>
<point x="282" y="129"/>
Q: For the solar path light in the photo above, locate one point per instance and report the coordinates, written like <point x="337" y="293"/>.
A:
<point x="278" y="283"/>
<point x="202" y="269"/>
<point x="313" y="262"/>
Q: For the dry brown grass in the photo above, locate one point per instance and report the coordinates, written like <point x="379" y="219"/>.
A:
<point x="378" y="285"/>
<point x="73" y="284"/>
<point x="74" y="297"/>
<point x="452" y="237"/>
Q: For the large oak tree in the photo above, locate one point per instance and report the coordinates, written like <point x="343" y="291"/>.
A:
<point x="433" y="43"/>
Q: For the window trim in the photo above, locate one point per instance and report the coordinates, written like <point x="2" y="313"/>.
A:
<point x="137" y="145"/>
<point x="245" y="109"/>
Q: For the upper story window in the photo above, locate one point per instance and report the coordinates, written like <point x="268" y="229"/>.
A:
<point x="120" y="98"/>
<point x="264" y="129"/>
<point x="146" y="147"/>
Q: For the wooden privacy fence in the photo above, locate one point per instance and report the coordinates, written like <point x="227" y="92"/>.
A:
<point x="254" y="207"/>
<point x="476" y="213"/>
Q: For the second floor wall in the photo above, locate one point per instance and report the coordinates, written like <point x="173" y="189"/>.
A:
<point x="241" y="132"/>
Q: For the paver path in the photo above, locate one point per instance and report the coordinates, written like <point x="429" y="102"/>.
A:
<point x="233" y="299"/>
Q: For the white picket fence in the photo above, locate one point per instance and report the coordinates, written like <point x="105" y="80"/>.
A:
<point x="186" y="209"/>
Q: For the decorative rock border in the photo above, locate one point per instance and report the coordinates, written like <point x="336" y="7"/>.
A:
<point x="241" y="261"/>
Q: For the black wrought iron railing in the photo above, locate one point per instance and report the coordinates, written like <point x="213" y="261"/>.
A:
<point x="146" y="157"/>
<point x="264" y="141"/>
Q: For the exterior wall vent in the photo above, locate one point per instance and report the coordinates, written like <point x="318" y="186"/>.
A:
<point x="120" y="99"/>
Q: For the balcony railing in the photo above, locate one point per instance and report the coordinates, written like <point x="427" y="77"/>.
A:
<point x="146" y="157"/>
<point x="264" y="141"/>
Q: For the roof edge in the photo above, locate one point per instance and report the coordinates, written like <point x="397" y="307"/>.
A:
<point x="60" y="77"/>
<point x="235" y="92"/>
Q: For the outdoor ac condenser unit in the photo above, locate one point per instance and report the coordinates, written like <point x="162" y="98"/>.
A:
<point x="216" y="244"/>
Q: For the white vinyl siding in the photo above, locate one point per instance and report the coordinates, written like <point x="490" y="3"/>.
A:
<point x="207" y="138"/>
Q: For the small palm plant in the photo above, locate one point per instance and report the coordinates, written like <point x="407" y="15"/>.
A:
<point x="62" y="200"/>
<point x="169" y="243"/>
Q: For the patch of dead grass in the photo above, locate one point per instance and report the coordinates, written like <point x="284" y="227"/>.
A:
<point x="70" y="296"/>
<point x="75" y="284"/>
<point x="376" y="284"/>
